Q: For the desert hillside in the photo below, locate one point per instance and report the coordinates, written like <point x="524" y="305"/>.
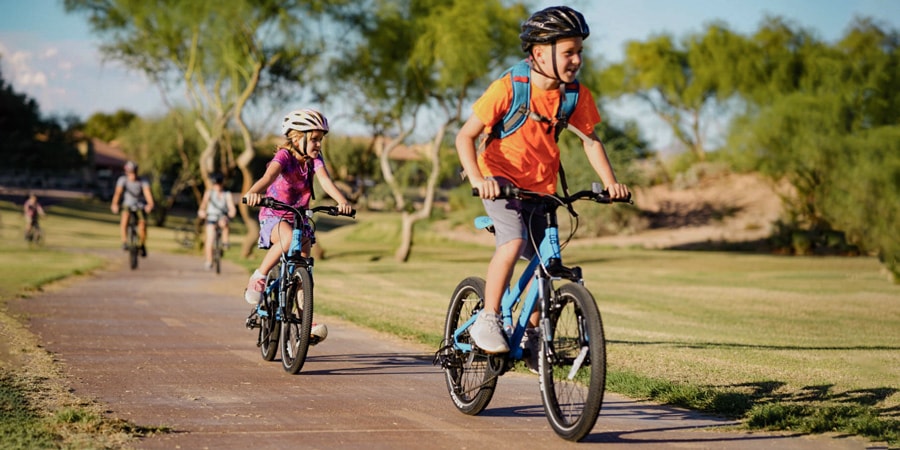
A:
<point x="724" y="208"/>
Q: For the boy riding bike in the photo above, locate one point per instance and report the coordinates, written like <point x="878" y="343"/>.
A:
<point x="528" y="157"/>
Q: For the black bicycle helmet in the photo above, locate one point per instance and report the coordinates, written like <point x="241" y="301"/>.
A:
<point x="552" y="24"/>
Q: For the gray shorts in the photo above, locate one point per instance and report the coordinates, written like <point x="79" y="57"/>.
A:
<point x="515" y="219"/>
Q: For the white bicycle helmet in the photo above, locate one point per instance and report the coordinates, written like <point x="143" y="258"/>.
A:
<point x="304" y="120"/>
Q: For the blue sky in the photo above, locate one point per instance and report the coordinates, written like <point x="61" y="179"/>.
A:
<point x="52" y="57"/>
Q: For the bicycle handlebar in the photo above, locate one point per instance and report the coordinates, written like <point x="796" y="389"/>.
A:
<point x="600" y="196"/>
<point x="275" y="204"/>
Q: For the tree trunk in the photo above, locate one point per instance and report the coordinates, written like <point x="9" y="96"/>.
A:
<point x="243" y="162"/>
<point x="409" y="219"/>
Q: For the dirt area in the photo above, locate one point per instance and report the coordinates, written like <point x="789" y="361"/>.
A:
<point x="716" y="210"/>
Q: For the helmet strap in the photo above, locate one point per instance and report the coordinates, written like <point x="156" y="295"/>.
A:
<point x="537" y="68"/>
<point x="304" y="142"/>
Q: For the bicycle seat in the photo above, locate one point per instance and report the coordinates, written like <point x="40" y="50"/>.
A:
<point x="483" y="222"/>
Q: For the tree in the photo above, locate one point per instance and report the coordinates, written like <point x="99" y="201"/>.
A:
<point x="28" y="141"/>
<point x="223" y="54"/>
<point x="107" y="127"/>
<point x="824" y="117"/>
<point x="418" y="55"/>
<point x="684" y="83"/>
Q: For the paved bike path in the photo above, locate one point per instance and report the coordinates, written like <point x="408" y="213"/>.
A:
<point x="165" y="345"/>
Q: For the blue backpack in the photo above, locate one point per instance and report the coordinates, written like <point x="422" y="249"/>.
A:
<point x="520" y="75"/>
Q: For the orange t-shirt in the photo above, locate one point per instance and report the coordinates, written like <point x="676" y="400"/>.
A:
<point x="530" y="156"/>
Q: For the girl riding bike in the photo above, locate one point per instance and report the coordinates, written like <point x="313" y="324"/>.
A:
<point x="288" y="178"/>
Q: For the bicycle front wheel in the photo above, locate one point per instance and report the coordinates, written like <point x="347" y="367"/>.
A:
<point x="269" y="325"/>
<point x="133" y="247"/>
<point x="217" y="252"/>
<point x="297" y="325"/>
<point x="573" y="362"/>
<point x="470" y="380"/>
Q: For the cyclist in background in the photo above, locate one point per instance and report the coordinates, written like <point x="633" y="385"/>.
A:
<point x="216" y="207"/>
<point x="32" y="210"/>
<point x="134" y="192"/>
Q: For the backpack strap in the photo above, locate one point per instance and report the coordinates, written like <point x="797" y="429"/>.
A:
<point x="520" y="77"/>
<point x="519" y="110"/>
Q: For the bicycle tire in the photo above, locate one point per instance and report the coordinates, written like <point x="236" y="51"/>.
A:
<point x="217" y="251"/>
<point x="572" y="365"/>
<point x="297" y="324"/>
<point x="470" y="380"/>
<point x="269" y="326"/>
<point x="133" y="245"/>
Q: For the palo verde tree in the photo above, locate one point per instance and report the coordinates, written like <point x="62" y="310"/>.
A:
<point x="221" y="55"/>
<point x="685" y="83"/>
<point x="824" y="118"/>
<point x="422" y="58"/>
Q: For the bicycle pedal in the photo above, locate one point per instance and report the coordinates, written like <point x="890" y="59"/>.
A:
<point x="251" y="323"/>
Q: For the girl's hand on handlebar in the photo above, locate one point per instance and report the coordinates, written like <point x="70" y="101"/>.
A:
<point x="252" y="198"/>
<point x="344" y="208"/>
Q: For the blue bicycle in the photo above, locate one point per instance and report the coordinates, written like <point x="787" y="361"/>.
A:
<point x="572" y="349"/>
<point x="285" y="314"/>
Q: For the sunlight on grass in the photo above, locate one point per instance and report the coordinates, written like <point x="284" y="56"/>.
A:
<point x="749" y="336"/>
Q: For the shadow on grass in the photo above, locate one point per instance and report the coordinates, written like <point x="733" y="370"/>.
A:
<point x="701" y="345"/>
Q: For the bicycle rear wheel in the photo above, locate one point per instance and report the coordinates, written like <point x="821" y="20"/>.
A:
<point x="297" y="325"/>
<point x="269" y="325"/>
<point x="573" y="362"/>
<point x="470" y="379"/>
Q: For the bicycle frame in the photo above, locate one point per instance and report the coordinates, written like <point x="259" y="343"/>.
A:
<point x="547" y="257"/>
<point x="288" y="265"/>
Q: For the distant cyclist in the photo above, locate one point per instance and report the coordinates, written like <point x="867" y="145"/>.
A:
<point x="216" y="207"/>
<point x="134" y="192"/>
<point x="32" y="210"/>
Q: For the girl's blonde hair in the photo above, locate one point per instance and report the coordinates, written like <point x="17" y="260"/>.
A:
<point x="289" y="144"/>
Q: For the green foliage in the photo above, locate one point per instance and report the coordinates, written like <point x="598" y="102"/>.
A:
<point x="824" y="119"/>
<point x="107" y="127"/>
<point x="684" y="82"/>
<point x="28" y="141"/>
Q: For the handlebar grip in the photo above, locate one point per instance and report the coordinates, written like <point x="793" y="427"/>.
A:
<point x="506" y="191"/>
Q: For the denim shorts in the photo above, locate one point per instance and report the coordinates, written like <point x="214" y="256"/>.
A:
<point x="267" y="226"/>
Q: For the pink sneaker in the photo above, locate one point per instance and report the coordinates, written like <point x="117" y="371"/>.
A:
<point x="255" y="288"/>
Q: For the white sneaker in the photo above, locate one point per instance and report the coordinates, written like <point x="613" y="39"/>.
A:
<point x="317" y="333"/>
<point x="255" y="288"/>
<point x="531" y="342"/>
<point x="487" y="333"/>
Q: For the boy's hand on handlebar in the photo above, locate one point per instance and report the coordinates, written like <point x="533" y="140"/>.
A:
<point x="488" y="189"/>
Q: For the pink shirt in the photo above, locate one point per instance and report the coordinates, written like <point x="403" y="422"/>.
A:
<point x="293" y="185"/>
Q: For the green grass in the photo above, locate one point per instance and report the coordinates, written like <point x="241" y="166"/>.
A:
<point x="801" y="344"/>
